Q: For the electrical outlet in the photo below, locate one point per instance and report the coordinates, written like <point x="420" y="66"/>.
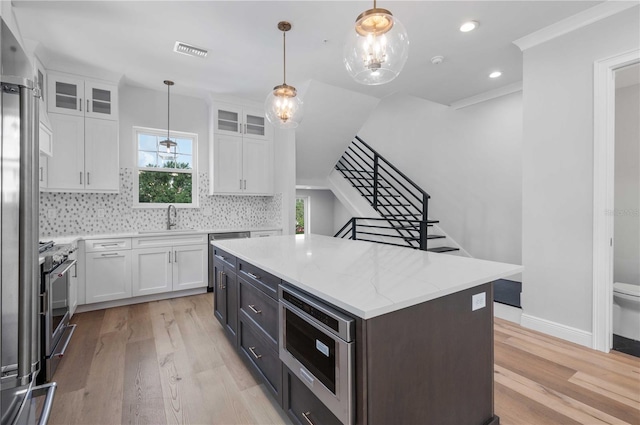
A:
<point x="101" y="213"/>
<point x="478" y="301"/>
<point x="52" y="213"/>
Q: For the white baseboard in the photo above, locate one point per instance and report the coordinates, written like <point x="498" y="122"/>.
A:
<point x="512" y="314"/>
<point x="558" y="330"/>
<point x="137" y="300"/>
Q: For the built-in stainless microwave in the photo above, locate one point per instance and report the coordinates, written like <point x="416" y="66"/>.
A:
<point x="317" y="344"/>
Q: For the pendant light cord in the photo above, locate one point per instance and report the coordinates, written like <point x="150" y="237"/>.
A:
<point x="168" y="110"/>
<point x="284" y="57"/>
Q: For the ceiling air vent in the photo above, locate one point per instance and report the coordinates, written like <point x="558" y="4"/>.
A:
<point x="189" y="50"/>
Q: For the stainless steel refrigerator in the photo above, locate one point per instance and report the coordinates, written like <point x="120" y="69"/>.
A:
<point x="20" y="271"/>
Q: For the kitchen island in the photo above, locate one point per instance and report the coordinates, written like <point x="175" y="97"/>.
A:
<point x="423" y="326"/>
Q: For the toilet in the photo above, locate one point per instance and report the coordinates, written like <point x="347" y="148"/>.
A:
<point x="626" y="310"/>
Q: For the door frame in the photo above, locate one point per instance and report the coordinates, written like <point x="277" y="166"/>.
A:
<point x="603" y="194"/>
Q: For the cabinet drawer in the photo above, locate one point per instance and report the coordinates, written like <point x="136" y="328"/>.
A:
<point x="301" y="404"/>
<point x="259" y="308"/>
<point x="261" y="355"/>
<point x="156" y="241"/>
<point x="98" y="245"/>
<point x="266" y="282"/>
<point x="225" y="257"/>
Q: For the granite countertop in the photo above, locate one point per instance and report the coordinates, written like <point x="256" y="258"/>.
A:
<point x="67" y="239"/>
<point x="365" y="279"/>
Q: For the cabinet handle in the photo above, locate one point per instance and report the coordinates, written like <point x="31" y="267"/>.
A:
<point x="306" y="416"/>
<point x="240" y="184"/>
<point x="104" y="245"/>
<point x="80" y="103"/>
<point x="87" y="105"/>
<point x="169" y="257"/>
<point x="175" y="256"/>
<point x="253" y="308"/>
<point x="257" y="356"/>
<point x="88" y="175"/>
<point x="80" y="177"/>
<point x="245" y="185"/>
<point x="220" y="257"/>
<point x="255" y="276"/>
<point x="220" y="284"/>
<point x="41" y="174"/>
<point x="75" y="270"/>
<point x="110" y="254"/>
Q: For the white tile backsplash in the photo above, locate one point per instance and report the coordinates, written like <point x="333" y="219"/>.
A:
<point x="96" y="213"/>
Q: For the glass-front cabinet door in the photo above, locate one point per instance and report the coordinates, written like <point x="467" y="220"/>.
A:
<point x="65" y="95"/>
<point x="228" y="120"/>
<point x="255" y="124"/>
<point x="101" y="100"/>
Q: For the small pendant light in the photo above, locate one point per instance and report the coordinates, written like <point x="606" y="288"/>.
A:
<point x="168" y="143"/>
<point x="377" y="49"/>
<point x="283" y="107"/>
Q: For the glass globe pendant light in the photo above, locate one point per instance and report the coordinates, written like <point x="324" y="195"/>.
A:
<point x="168" y="143"/>
<point x="377" y="49"/>
<point x="283" y="107"/>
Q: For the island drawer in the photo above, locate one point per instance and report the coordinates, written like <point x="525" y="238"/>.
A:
<point x="266" y="282"/>
<point x="261" y="356"/>
<point x="302" y="406"/>
<point x="260" y="308"/>
<point x="224" y="256"/>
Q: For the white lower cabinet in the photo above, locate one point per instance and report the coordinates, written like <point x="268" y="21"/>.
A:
<point x="152" y="271"/>
<point x="108" y="276"/>
<point x="172" y="268"/>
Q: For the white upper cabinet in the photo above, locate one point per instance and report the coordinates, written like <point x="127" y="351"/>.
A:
<point x="72" y="95"/>
<point x="45" y="130"/>
<point x="243" y="121"/>
<point x="83" y="114"/>
<point x="242" y="153"/>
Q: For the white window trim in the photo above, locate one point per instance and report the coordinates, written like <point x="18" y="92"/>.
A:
<point x="307" y="214"/>
<point x="194" y="172"/>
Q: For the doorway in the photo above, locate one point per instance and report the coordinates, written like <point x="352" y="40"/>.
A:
<point x="604" y="206"/>
<point x="302" y="215"/>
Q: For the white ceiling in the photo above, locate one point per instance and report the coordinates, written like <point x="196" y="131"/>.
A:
<point x="135" y="39"/>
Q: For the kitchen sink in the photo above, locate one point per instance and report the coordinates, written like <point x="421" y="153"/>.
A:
<point x="172" y="231"/>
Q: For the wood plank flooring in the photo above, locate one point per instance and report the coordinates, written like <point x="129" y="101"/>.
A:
<point x="168" y="362"/>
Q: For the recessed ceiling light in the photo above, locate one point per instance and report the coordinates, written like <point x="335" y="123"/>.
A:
<point x="469" y="26"/>
<point x="495" y="74"/>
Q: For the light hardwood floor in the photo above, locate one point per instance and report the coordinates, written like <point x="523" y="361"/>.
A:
<point x="168" y="362"/>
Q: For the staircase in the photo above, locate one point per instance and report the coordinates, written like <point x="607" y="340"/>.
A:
<point x="401" y="204"/>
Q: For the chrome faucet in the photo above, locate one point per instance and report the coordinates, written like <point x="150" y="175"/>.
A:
<point x="172" y="223"/>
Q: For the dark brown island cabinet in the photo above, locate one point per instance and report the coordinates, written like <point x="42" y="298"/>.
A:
<point x="430" y="363"/>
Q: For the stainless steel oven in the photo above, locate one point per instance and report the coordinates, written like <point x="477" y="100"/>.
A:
<point x="317" y="344"/>
<point x="55" y="314"/>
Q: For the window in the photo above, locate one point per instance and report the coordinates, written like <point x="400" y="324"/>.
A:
<point x="302" y="215"/>
<point x="165" y="177"/>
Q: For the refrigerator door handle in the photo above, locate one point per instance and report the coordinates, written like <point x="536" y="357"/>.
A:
<point x="50" y="391"/>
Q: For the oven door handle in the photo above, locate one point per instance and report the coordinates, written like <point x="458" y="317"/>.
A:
<point x="69" y="263"/>
<point x="71" y="329"/>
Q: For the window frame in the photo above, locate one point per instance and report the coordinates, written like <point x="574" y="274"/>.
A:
<point x="137" y="130"/>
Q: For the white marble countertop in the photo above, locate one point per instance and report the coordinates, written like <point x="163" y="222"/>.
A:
<point x="363" y="278"/>
<point x="67" y="239"/>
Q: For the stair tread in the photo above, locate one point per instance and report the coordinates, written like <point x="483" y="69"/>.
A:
<point x="443" y="249"/>
<point x="435" y="236"/>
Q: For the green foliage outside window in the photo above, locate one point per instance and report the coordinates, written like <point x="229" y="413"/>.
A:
<point x="299" y="216"/>
<point x="165" y="187"/>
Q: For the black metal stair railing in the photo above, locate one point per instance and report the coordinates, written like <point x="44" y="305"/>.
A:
<point x="401" y="203"/>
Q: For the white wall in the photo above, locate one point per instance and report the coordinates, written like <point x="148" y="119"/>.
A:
<point x="332" y="118"/>
<point x="148" y="108"/>
<point x="284" y="161"/>
<point x="557" y="154"/>
<point x="321" y="208"/>
<point x="627" y="186"/>
<point x="468" y="160"/>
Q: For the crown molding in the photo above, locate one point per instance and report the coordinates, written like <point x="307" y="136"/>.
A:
<point x="572" y="23"/>
<point x="488" y="95"/>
